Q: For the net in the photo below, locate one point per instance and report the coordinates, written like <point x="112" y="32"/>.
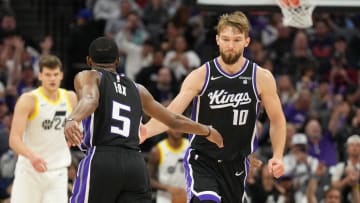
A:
<point x="297" y="13"/>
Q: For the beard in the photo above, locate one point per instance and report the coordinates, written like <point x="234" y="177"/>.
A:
<point x="230" y="58"/>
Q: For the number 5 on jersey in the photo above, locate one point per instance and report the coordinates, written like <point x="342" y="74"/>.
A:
<point x="116" y="115"/>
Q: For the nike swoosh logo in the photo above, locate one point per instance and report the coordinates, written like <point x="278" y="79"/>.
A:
<point x="215" y="78"/>
<point x="239" y="173"/>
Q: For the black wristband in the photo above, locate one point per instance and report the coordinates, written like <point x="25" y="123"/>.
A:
<point x="209" y="133"/>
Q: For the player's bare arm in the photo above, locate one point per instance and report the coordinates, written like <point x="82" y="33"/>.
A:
<point x="24" y="108"/>
<point x="191" y="87"/>
<point x="267" y="90"/>
<point x="73" y="98"/>
<point x="176" y="121"/>
<point x="153" y="163"/>
<point x="86" y="86"/>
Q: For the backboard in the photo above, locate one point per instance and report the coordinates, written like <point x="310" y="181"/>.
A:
<point x="328" y="5"/>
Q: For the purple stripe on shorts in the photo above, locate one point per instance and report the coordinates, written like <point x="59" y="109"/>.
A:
<point x="188" y="177"/>
<point x="81" y="180"/>
<point x="209" y="197"/>
<point x="75" y="189"/>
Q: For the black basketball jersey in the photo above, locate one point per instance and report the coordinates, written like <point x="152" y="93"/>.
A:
<point x="116" y="120"/>
<point x="230" y="104"/>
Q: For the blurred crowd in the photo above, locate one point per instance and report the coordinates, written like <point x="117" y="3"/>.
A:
<point x="317" y="72"/>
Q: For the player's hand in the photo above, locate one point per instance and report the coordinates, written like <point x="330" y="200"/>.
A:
<point x="215" y="137"/>
<point x="255" y="163"/>
<point x="73" y="133"/>
<point x="175" y="190"/>
<point x="38" y="163"/>
<point x="276" y="167"/>
<point x="142" y="134"/>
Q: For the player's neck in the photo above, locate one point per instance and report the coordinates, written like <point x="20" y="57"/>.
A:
<point x="175" y="143"/>
<point x="52" y="95"/>
<point x="232" y="68"/>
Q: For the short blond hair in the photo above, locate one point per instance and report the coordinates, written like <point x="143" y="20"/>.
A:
<point x="237" y="20"/>
<point x="50" y="61"/>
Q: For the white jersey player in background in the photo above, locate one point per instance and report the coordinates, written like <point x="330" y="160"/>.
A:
<point x="37" y="136"/>
<point x="166" y="168"/>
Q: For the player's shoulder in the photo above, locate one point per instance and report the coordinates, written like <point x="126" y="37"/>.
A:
<point x="264" y="75"/>
<point x="29" y="95"/>
<point x="263" y="72"/>
<point x="27" y="99"/>
<point x="197" y="73"/>
<point x="89" y="73"/>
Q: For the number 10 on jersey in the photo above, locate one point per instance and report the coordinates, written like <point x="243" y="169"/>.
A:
<point x="240" y="116"/>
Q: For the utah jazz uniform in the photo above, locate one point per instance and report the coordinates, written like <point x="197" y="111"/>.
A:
<point x="111" y="139"/>
<point x="44" y="135"/>
<point x="230" y="104"/>
<point x="171" y="169"/>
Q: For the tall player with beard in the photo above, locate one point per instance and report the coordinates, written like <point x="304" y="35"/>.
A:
<point x="226" y="93"/>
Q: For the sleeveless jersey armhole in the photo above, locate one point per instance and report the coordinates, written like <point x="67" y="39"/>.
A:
<point x="33" y="115"/>
<point x="254" y="82"/>
<point x="206" y="81"/>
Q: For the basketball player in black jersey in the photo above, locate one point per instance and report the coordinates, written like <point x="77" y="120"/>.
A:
<point x="226" y="93"/>
<point x="110" y="107"/>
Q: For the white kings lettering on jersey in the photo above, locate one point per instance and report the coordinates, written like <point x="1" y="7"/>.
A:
<point x="221" y="99"/>
<point x="120" y="89"/>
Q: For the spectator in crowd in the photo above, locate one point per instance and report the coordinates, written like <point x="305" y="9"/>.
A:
<point x="181" y="60"/>
<point x="321" y="144"/>
<point x="331" y="195"/>
<point x="46" y="46"/>
<point x="137" y="56"/>
<point x="147" y="76"/>
<point x="290" y="132"/>
<point x="115" y="25"/>
<point x="28" y="81"/>
<point x="340" y="75"/>
<point x="167" y="40"/>
<point x="299" y="58"/>
<point x="286" y="89"/>
<point x="346" y="175"/>
<point x="297" y="111"/>
<point x="133" y="30"/>
<point x="322" y="101"/>
<point x="8" y="24"/>
<point x="299" y="165"/>
<point x="315" y="186"/>
<point x="155" y="16"/>
<point x="108" y="10"/>
<point x="321" y="44"/>
<point x="257" y="52"/>
<point x="166" y="86"/>
<point x="5" y="122"/>
<point x="282" y="44"/>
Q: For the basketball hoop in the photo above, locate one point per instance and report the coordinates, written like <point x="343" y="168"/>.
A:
<point x="297" y="13"/>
